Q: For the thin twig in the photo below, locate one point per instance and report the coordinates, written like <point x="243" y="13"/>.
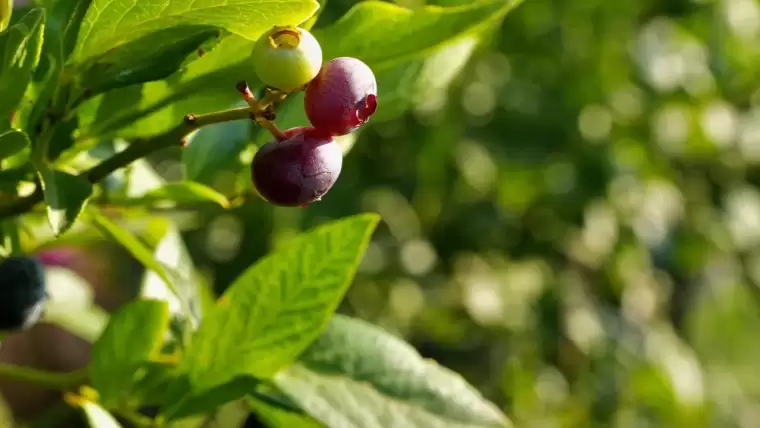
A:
<point x="138" y="149"/>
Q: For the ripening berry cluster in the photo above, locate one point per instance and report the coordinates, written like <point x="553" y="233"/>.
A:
<point x="302" y="165"/>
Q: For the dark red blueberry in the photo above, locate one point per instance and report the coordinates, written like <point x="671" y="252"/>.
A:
<point x="297" y="170"/>
<point x="342" y="97"/>
<point x="22" y="292"/>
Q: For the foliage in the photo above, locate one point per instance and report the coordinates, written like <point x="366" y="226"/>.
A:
<point x="90" y="92"/>
<point x="568" y="195"/>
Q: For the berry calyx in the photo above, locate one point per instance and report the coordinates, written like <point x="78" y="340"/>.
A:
<point x="297" y="170"/>
<point x="287" y="58"/>
<point x="22" y="293"/>
<point x="342" y="97"/>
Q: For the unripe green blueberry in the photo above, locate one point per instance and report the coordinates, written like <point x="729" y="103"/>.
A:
<point x="287" y="58"/>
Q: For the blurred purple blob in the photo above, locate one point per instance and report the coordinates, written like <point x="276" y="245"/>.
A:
<point x="61" y="257"/>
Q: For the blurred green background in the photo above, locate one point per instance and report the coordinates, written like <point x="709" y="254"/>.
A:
<point x="571" y="220"/>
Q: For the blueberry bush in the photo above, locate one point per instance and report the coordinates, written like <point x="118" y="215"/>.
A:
<point x="264" y="95"/>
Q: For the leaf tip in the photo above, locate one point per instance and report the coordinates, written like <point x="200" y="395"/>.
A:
<point x="371" y="218"/>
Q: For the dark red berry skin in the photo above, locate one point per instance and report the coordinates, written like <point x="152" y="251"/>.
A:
<point x="297" y="170"/>
<point x="342" y="97"/>
<point x="22" y="292"/>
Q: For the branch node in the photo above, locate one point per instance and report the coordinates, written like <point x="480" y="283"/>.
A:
<point x="242" y="87"/>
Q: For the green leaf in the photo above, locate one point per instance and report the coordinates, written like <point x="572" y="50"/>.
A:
<point x="382" y="33"/>
<point x="20" y="48"/>
<point x="13" y="142"/>
<point x="152" y="57"/>
<point x="184" y="291"/>
<point x="206" y="85"/>
<point x="309" y="23"/>
<point x="129" y="241"/>
<point x="356" y="374"/>
<point x="277" y="307"/>
<point x="188" y="404"/>
<point x="185" y="192"/>
<point x="6" y="11"/>
<point x="133" y="335"/>
<point x="181" y="403"/>
<point x="162" y="386"/>
<point x="65" y="196"/>
<point x="9" y="236"/>
<point x="98" y="417"/>
<point x="213" y="149"/>
<point x="64" y="21"/>
<point x="414" y="82"/>
<point x="110" y="25"/>
<point x="38" y="94"/>
<point x="276" y="417"/>
<point x="152" y="388"/>
<point x="63" y="140"/>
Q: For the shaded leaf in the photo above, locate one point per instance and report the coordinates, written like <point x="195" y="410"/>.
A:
<point x="277" y="307"/>
<point x="151" y="389"/>
<point x="20" y="48"/>
<point x="65" y="196"/>
<point x="132" y="336"/>
<point x="63" y="19"/>
<point x="62" y="28"/>
<point x="356" y="374"/>
<point x="204" y="86"/>
<point x="38" y="94"/>
<point x="213" y="149"/>
<point x="152" y="57"/>
<point x="13" y="142"/>
<point x="63" y="140"/>
<point x="188" y="404"/>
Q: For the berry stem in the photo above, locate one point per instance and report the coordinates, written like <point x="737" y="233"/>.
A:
<point x="258" y="109"/>
<point x="269" y="126"/>
<point x="196" y="121"/>
<point x="44" y="379"/>
<point x="272" y="98"/>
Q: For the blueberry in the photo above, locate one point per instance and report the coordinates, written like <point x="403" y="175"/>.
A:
<point x="22" y="292"/>
<point x="299" y="169"/>
<point x="286" y="58"/>
<point x="342" y="97"/>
